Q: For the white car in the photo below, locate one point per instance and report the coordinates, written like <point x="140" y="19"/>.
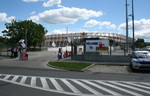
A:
<point x="148" y="48"/>
<point x="140" y="60"/>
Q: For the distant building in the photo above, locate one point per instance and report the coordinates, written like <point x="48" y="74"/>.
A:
<point x="62" y="40"/>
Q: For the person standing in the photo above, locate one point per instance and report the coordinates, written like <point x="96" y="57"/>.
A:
<point x="59" y="54"/>
<point x="24" y="54"/>
<point x="12" y="52"/>
<point x="20" y="55"/>
<point x="27" y="54"/>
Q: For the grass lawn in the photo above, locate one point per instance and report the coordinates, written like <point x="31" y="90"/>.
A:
<point x="70" y="65"/>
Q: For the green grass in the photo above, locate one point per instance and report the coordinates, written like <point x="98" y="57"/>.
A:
<point x="70" y="65"/>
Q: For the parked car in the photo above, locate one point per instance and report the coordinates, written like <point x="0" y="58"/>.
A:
<point x="148" y="48"/>
<point x="140" y="60"/>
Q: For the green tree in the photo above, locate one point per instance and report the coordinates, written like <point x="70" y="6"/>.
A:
<point x="33" y="32"/>
<point x="3" y="43"/>
<point x="139" y="43"/>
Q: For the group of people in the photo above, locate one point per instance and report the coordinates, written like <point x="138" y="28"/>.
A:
<point x="63" y="55"/>
<point x="23" y="53"/>
<point x="14" y="52"/>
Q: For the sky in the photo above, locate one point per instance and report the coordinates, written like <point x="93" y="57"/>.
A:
<point x="56" y="16"/>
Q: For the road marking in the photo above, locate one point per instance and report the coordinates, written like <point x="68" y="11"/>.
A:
<point x="6" y="77"/>
<point x="102" y="88"/>
<point x="87" y="87"/>
<point x="137" y="85"/>
<point x="138" y="89"/>
<point x="44" y="83"/>
<point x="111" y="88"/>
<point x="14" y="78"/>
<point x="56" y="84"/>
<point x="33" y="81"/>
<point x="23" y="79"/>
<point x="74" y="89"/>
<point x="122" y="89"/>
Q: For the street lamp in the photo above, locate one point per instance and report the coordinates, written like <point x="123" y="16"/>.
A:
<point x="126" y="26"/>
<point x="26" y="37"/>
<point x="133" y="23"/>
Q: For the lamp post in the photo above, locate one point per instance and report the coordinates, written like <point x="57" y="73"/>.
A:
<point x="133" y="24"/>
<point x="126" y="26"/>
<point x="26" y="38"/>
<point x="67" y="36"/>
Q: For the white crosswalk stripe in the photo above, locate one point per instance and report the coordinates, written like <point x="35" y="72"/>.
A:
<point x="130" y="87"/>
<point x="56" y="84"/>
<point x="74" y="89"/>
<point x="87" y="87"/>
<point x="14" y="78"/>
<point x="23" y="80"/>
<point x="33" y="81"/>
<point x="122" y="89"/>
<point x="44" y="83"/>
<point x="75" y="86"/>
<point x="103" y="88"/>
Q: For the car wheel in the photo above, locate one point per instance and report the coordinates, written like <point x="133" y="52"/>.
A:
<point x="132" y="67"/>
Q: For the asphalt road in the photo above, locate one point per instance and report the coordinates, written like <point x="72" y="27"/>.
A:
<point x="35" y="78"/>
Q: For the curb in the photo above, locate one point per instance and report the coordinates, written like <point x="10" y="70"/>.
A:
<point x="113" y="63"/>
<point x="58" y="68"/>
<point x="88" y="67"/>
<point x="71" y="69"/>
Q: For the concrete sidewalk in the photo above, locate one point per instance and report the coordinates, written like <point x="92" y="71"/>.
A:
<point x="105" y="67"/>
<point x="4" y="57"/>
<point x="40" y="60"/>
<point x="37" y="60"/>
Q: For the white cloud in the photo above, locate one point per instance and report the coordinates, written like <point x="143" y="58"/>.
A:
<point x="107" y="25"/>
<point x="65" y="15"/>
<point x="50" y="3"/>
<point x="59" y="31"/>
<point x="91" y="23"/>
<point x="30" y="0"/>
<point x="63" y="31"/>
<point x="4" y="18"/>
<point x="111" y="26"/>
<point x="142" y="28"/>
<point x="33" y="12"/>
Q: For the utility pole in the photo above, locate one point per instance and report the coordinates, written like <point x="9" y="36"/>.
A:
<point x="67" y="36"/>
<point x="126" y="26"/>
<point x="133" y="23"/>
<point x="26" y="38"/>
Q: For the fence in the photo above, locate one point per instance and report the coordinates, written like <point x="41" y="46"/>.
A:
<point x="113" y="50"/>
<point x="116" y="53"/>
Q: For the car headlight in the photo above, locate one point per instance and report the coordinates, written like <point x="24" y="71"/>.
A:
<point x="135" y="62"/>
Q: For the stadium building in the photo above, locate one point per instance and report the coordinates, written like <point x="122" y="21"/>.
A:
<point x="61" y="40"/>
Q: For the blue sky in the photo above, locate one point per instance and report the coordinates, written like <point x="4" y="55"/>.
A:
<point x="79" y="15"/>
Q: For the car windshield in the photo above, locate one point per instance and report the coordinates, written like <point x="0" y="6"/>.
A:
<point x="141" y="55"/>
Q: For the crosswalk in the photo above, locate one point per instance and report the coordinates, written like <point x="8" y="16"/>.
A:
<point x="80" y="87"/>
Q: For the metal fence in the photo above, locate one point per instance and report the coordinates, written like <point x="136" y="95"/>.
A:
<point x="113" y="50"/>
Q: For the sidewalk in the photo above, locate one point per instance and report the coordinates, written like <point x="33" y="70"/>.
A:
<point x="40" y="60"/>
<point x="105" y="67"/>
<point x="4" y="57"/>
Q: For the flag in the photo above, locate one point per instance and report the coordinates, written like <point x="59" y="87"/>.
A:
<point x="21" y="40"/>
<point x="23" y="45"/>
<point x="53" y="44"/>
<point x="69" y="40"/>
